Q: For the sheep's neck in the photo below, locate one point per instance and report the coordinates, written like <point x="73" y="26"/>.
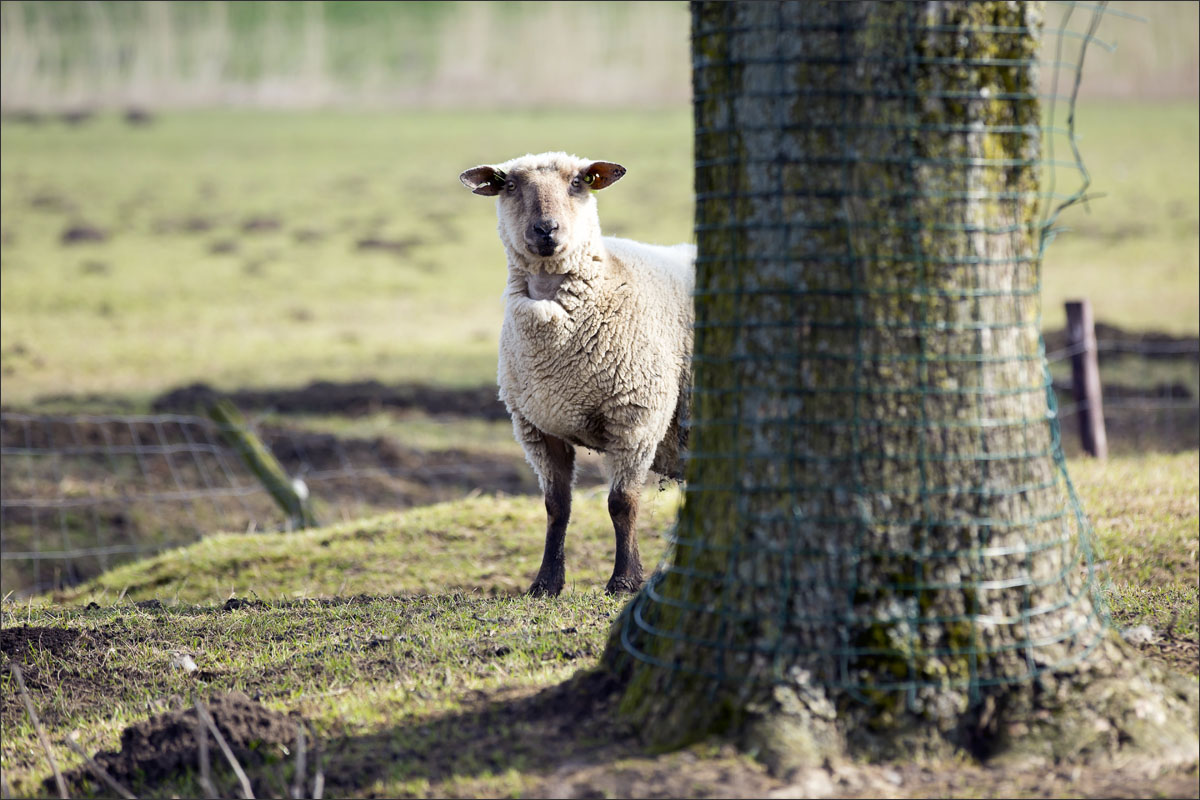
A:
<point x="542" y="278"/>
<point x="544" y="286"/>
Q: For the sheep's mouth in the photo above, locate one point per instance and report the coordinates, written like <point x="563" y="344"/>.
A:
<point x="543" y="286"/>
<point x="544" y="247"/>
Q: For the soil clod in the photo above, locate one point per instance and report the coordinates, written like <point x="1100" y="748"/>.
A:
<point x="260" y="224"/>
<point x="234" y="603"/>
<point x="160" y="746"/>
<point x="79" y="233"/>
<point x="138" y="117"/>
<point x="17" y="641"/>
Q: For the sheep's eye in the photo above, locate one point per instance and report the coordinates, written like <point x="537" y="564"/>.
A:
<point x="575" y="184"/>
<point x="511" y="186"/>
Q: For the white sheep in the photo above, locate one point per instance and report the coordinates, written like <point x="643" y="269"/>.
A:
<point x="596" y="345"/>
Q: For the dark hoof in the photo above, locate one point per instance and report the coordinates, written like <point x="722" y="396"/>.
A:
<point x="623" y="585"/>
<point x="543" y="588"/>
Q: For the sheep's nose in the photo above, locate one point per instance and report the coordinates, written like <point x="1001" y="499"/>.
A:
<point x="545" y="227"/>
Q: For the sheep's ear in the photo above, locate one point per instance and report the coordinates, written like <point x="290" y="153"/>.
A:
<point x="602" y="173"/>
<point x="487" y="181"/>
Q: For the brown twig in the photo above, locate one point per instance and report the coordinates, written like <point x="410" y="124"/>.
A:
<point x="298" y="778"/>
<point x="247" y="792"/>
<point x="37" y="726"/>
<point x="99" y="771"/>
<point x="210" y="791"/>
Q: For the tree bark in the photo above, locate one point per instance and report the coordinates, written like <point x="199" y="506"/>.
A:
<point x="879" y="547"/>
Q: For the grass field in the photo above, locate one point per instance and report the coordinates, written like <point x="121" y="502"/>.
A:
<point x="404" y="643"/>
<point x="268" y="249"/>
<point x="259" y="249"/>
<point x="1135" y="250"/>
<point x="250" y="249"/>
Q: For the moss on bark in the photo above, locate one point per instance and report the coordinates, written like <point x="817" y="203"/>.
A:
<point x="877" y="549"/>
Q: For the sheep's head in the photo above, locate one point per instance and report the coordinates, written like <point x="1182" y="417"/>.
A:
<point x="546" y="206"/>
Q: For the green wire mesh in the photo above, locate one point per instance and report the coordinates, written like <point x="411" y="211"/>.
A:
<point x="856" y="413"/>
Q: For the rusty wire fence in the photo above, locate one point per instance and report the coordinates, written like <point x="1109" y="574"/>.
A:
<point x="83" y="493"/>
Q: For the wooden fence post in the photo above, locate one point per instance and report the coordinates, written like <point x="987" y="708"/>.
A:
<point x="1085" y="377"/>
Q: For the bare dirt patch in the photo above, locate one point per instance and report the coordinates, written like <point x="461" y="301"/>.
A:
<point x="163" y="745"/>
<point x="399" y="247"/>
<point x="72" y="676"/>
<point x="354" y="398"/>
<point x="51" y="201"/>
<point x="1180" y="653"/>
<point x="685" y="774"/>
<point x="16" y="642"/>
<point x="261" y="224"/>
<point x="77" y="117"/>
<point x="80" y="233"/>
<point x="137" y="117"/>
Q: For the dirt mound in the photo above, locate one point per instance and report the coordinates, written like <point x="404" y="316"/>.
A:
<point x="75" y="234"/>
<point x="351" y="399"/>
<point x="156" y="748"/>
<point x="15" y="642"/>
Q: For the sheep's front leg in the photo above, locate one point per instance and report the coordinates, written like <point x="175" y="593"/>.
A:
<point x="554" y="461"/>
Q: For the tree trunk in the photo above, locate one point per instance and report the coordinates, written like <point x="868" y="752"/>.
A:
<point x="879" y="546"/>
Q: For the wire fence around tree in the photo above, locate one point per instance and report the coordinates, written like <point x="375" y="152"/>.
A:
<point x="878" y="507"/>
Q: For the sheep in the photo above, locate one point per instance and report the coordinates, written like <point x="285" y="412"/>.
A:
<point x="595" y="348"/>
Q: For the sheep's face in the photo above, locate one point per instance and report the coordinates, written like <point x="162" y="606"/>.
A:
<point x="546" y="206"/>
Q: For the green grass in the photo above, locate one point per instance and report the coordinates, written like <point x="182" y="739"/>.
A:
<point x="428" y="615"/>
<point x="180" y="292"/>
<point x="356" y="669"/>
<point x="154" y="306"/>
<point x="1145" y="511"/>
<point x="485" y="544"/>
<point x="1134" y="250"/>
<point x="403" y="640"/>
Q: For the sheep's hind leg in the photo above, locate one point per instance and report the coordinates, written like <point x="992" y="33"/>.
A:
<point x="623" y="508"/>
<point x="558" y="475"/>
<point x="629" y="470"/>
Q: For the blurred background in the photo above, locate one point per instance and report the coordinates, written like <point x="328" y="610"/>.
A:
<point x="64" y="56"/>
<point x="345" y="54"/>
<point x="261" y="199"/>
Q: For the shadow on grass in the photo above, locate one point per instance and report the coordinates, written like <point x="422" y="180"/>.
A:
<point x="572" y="724"/>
